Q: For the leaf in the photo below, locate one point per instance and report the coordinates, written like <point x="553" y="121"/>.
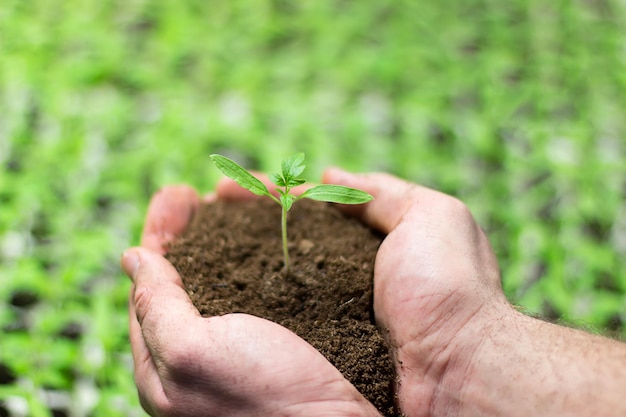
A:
<point x="239" y="174"/>
<point x="294" y="182"/>
<point x="278" y="179"/>
<point x="286" y="200"/>
<point x="337" y="194"/>
<point x="292" y="166"/>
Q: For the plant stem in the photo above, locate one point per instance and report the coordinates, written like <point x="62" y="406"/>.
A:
<point x="284" y="230"/>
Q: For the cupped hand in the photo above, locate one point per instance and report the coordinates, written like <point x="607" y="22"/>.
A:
<point x="232" y="365"/>
<point x="437" y="287"/>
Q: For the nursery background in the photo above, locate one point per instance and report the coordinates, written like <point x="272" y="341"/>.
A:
<point x="516" y="107"/>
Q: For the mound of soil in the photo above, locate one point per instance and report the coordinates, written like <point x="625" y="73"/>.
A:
<point x="231" y="260"/>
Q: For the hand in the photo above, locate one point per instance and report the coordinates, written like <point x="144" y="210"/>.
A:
<point x="436" y="287"/>
<point x="232" y="365"/>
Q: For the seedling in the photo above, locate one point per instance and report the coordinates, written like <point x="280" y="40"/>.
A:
<point x="288" y="178"/>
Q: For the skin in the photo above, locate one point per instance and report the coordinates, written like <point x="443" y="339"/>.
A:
<point x="460" y="348"/>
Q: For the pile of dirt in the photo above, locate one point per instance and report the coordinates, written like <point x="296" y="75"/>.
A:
<point x="231" y="261"/>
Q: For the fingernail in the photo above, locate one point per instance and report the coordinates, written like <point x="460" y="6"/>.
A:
<point x="130" y="263"/>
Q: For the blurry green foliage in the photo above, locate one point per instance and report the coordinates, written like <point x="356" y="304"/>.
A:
<point x="513" y="106"/>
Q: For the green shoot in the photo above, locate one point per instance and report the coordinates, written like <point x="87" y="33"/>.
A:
<point x="287" y="179"/>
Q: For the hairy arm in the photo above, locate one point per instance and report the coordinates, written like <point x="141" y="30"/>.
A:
<point x="526" y="366"/>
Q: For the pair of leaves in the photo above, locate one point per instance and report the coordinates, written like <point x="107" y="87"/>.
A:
<point x="292" y="168"/>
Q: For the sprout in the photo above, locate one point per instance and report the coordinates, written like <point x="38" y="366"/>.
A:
<point x="288" y="178"/>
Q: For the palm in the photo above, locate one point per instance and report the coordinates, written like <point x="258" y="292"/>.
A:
<point x="261" y="368"/>
<point x="407" y="288"/>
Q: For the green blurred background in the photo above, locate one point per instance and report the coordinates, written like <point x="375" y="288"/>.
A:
<point x="513" y="106"/>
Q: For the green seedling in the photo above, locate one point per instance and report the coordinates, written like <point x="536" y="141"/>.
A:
<point x="288" y="178"/>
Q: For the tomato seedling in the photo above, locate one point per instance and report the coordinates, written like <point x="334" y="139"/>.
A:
<point x="288" y="178"/>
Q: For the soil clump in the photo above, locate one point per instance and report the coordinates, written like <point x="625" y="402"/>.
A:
<point x="230" y="259"/>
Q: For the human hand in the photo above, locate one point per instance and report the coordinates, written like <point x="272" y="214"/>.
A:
<point x="436" y="287"/>
<point x="232" y="365"/>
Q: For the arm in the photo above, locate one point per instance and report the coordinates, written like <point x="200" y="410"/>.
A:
<point x="529" y="367"/>
<point x="461" y="349"/>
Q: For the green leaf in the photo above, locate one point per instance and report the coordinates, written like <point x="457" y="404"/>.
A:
<point x="286" y="200"/>
<point x="239" y="174"/>
<point x="337" y="194"/>
<point x="292" y="166"/>
<point x="278" y="180"/>
<point x="294" y="182"/>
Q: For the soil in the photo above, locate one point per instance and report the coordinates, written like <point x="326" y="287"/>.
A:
<point x="231" y="260"/>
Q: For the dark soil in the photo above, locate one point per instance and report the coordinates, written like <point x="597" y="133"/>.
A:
<point x="231" y="260"/>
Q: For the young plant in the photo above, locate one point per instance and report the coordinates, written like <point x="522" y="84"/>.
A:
<point x="288" y="178"/>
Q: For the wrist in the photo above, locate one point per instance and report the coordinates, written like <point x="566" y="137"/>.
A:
<point x="453" y="369"/>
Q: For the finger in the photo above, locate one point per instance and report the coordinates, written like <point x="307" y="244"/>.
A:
<point x="169" y="212"/>
<point x="436" y="215"/>
<point x="393" y="197"/>
<point x="208" y="198"/>
<point x="229" y="190"/>
<point x="162" y="308"/>
<point x="146" y="375"/>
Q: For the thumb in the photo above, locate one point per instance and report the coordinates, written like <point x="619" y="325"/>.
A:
<point x="390" y="194"/>
<point x="160" y="303"/>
